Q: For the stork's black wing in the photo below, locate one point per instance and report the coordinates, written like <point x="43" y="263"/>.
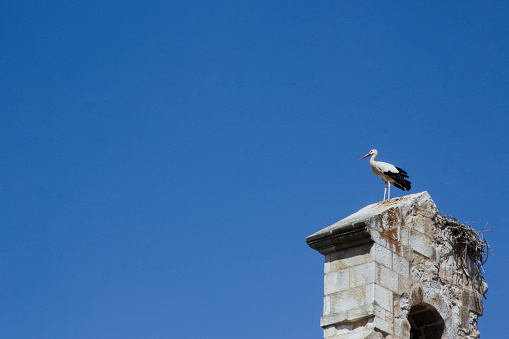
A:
<point x="399" y="179"/>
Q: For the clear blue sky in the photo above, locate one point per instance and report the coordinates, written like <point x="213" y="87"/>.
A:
<point x="163" y="161"/>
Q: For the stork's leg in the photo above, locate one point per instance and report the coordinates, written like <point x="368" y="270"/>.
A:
<point x="389" y="195"/>
<point x="385" y="190"/>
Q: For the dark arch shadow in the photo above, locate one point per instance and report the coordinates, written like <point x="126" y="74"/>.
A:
<point x="425" y="322"/>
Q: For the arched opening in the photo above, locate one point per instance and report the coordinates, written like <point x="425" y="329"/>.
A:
<point x="425" y="322"/>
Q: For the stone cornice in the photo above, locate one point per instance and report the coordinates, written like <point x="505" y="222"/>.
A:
<point x="340" y="238"/>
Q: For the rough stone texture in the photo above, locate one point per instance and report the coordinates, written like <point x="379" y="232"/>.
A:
<point x="390" y="272"/>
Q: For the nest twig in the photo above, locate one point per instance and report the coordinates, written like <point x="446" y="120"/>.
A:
<point x="465" y="240"/>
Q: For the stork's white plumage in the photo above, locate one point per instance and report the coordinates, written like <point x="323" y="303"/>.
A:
<point x="390" y="174"/>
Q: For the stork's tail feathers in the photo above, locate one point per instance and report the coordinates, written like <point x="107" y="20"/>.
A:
<point x="406" y="187"/>
<point x="399" y="179"/>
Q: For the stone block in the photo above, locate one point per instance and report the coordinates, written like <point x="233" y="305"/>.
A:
<point x="392" y="217"/>
<point x="363" y="274"/>
<point x="329" y="331"/>
<point x="348" y="300"/>
<point x="407" y="253"/>
<point x="436" y="252"/>
<point x="379" y="312"/>
<point x="465" y="317"/>
<point x="357" y="260"/>
<point x="401" y="265"/>
<point x="476" y="303"/>
<point x="465" y="298"/>
<point x="420" y="243"/>
<point x="326" y="266"/>
<point x="350" y="252"/>
<point x="378" y="238"/>
<point x="360" y="312"/>
<point x="381" y="255"/>
<point x="349" y="257"/>
<point x="428" y="209"/>
<point x="446" y="269"/>
<point x="383" y="325"/>
<point x="391" y="236"/>
<point x="404" y="284"/>
<point x="421" y="224"/>
<point x="404" y="236"/>
<point x="336" y="281"/>
<point x="380" y="296"/>
<point x="326" y="305"/>
<point x="388" y="278"/>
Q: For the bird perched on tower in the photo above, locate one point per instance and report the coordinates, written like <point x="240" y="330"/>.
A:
<point x="389" y="173"/>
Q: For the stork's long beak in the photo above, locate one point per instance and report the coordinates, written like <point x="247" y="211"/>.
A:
<point x="364" y="156"/>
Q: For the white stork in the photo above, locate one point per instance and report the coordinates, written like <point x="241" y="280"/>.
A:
<point x="390" y="174"/>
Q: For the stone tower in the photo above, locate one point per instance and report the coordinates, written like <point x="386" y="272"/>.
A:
<point x="391" y="273"/>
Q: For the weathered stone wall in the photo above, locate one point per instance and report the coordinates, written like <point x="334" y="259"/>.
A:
<point x="389" y="271"/>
